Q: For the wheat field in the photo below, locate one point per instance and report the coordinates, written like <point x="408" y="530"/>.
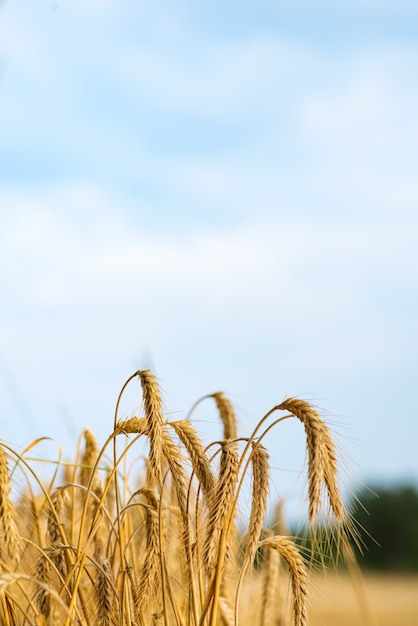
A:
<point x="146" y="528"/>
<point x="378" y="599"/>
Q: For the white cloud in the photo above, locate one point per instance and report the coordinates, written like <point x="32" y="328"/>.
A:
<point x="290" y="273"/>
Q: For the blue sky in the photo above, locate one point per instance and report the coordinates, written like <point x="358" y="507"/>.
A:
<point x="224" y="192"/>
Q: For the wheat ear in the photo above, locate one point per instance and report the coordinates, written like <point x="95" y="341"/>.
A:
<point x="322" y="464"/>
<point x="175" y="463"/>
<point x="227" y="413"/>
<point x="10" y="541"/>
<point x="330" y="477"/>
<point x="200" y="463"/>
<point x="298" y="575"/>
<point x="271" y="602"/>
<point x="89" y="457"/>
<point x="154" y="420"/>
<point x="261" y="476"/>
<point x="221" y="504"/>
<point x="150" y="580"/>
<point x="107" y="614"/>
<point x="43" y="574"/>
<point x="55" y="530"/>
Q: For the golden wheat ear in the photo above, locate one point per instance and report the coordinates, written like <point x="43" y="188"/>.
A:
<point x="154" y="421"/>
<point x="200" y="462"/>
<point x="322" y="462"/>
<point x="9" y="536"/>
<point x="298" y="575"/>
<point x="227" y="414"/>
<point x="107" y="595"/>
<point x="91" y="451"/>
<point x="261" y="478"/>
<point x="272" y="602"/>
<point x="221" y="505"/>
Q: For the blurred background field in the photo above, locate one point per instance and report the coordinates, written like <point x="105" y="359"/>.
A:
<point x="377" y="599"/>
<point x="382" y="588"/>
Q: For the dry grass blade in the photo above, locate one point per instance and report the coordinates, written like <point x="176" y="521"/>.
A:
<point x="298" y="575"/>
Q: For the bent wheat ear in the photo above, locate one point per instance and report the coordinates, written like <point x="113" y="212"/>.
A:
<point x="200" y="463"/>
<point x="260" y="463"/>
<point x="272" y="601"/>
<point x="330" y="477"/>
<point x="175" y="463"/>
<point x="221" y="504"/>
<point x="298" y="575"/>
<point x="132" y="426"/>
<point x="227" y="413"/>
<point x="322" y="463"/>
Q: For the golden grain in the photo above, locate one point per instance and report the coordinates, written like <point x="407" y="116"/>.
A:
<point x="158" y="541"/>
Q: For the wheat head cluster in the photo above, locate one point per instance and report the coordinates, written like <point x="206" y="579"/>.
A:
<point x="160" y="540"/>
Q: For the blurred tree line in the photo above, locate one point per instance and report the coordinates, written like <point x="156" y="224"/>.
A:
<point x="387" y="520"/>
<point x="386" y="529"/>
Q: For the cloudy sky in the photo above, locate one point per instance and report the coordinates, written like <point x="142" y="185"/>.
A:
<point x="224" y="192"/>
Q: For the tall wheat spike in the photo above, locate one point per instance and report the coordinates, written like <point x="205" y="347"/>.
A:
<point x="89" y="457"/>
<point x="154" y="419"/>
